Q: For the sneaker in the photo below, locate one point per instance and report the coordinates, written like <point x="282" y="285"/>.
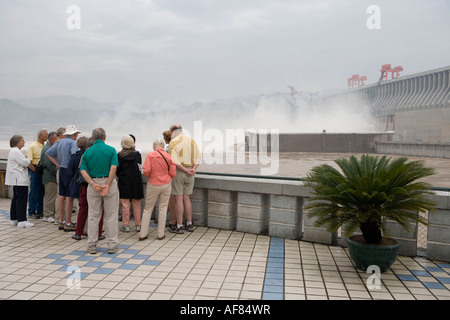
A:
<point x="173" y="228"/>
<point x="92" y="250"/>
<point x="34" y="216"/>
<point x="113" y="250"/>
<point x="25" y="224"/>
<point x="13" y="223"/>
<point x="189" y="227"/>
<point x="61" y="226"/>
<point x="179" y="230"/>
<point x="138" y="228"/>
<point x="69" y="227"/>
<point x="49" y="220"/>
<point x="125" y="229"/>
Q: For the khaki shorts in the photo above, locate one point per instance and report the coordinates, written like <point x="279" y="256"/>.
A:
<point x="182" y="184"/>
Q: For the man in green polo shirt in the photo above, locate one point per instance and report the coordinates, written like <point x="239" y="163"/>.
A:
<point x="98" y="167"/>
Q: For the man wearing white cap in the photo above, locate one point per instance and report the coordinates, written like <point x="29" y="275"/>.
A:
<point x="60" y="154"/>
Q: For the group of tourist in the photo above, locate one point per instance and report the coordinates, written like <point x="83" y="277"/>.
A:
<point x="60" y="167"/>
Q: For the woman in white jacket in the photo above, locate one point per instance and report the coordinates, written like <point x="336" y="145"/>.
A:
<point x="17" y="176"/>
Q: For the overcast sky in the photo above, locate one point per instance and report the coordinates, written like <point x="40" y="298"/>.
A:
<point x="194" y="50"/>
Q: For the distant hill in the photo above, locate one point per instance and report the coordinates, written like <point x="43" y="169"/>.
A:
<point x="65" y="102"/>
<point x="289" y="111"/>
<point x="17" y="118"/>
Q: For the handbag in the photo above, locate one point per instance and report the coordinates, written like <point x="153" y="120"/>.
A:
<point x="79" y="180"/>
<point x="38" y="169"/>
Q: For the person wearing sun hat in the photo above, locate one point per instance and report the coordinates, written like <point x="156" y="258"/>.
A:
<point x="60" y="154"/>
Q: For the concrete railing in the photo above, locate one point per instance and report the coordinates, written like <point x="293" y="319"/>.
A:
<point x="420" y="149"/>
<point x="275" y="206"/>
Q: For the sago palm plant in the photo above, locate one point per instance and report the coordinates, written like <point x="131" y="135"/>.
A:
<point x="366" y="192"/>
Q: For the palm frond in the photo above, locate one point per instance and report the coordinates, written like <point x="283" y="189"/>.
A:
<point x="371" y="188"/>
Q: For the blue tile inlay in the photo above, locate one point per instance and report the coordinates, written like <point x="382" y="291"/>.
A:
<point x="272" y="269"/>
<point x="420" y="273"/>
<point x="61" y="261"/>
<point x="130" y="251"/>
<point x="141" y="256"/>
<point x="443" y="280"/>
<point x="55" y="256"/>
<point x="151" y="262"/>
<point x="87" y="258"/>
<point x="95" y="264"/>
<point x="118" y="260"/>
<point x="128" y="266"/>
<point x="443" y="265"/>
<point x="272" y="296"/>
<point x="407" y="277"/>
<point x="82" y="275"/>
<point x="434" y="285"/>
<point x="273" y="282"/>
<point x="434" y="269"/>
<point x="275" y="289"/>
<point x="104" y="270"/>
<point x="274" y="278"/>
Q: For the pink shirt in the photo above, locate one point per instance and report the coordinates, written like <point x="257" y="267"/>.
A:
<point x="157" y="170"/>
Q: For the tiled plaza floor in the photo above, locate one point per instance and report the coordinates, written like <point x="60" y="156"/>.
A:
<point x="207" y="264"/>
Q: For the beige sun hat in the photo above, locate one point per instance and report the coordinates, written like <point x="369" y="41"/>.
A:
<point x="70" y="130"/>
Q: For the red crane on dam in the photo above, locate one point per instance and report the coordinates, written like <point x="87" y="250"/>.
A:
<point x="358" y="81"/>
<point x="386" y="69"/>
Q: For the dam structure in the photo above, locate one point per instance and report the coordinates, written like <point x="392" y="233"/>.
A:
<point x="410" y="114"/>
<point x="415" y="107"/>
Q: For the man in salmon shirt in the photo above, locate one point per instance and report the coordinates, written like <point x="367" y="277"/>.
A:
<point x="160" y="169"/>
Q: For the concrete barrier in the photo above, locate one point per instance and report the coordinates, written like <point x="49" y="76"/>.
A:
<point x="276" y="207"/>
<point x="418" y="149"/>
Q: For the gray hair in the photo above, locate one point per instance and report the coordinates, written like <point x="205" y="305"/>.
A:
<point x="41" y="132"/>
<point x="14" y="141"/>
<point x="52" y="135"/>
<point x="127" y="142"/>
<point x="98" y="134"/>
<point x="159" y="143"/>
<point x="60" y="131"/>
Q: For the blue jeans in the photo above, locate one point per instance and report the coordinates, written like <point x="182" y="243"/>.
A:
<point x="36" y="196"/>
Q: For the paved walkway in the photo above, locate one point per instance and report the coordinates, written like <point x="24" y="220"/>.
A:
<point x="207" y="264"/>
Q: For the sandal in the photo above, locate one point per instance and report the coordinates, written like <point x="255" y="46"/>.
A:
<point x="76" y="237"/>
<point x="101" y="238"/>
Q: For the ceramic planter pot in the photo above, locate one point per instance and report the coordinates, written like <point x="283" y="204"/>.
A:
<point x="365" y="255"/>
